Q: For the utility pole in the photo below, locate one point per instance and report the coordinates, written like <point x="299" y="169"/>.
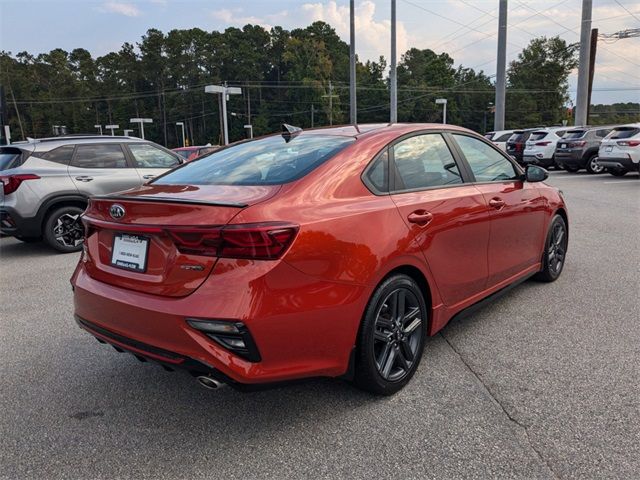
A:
<point x="312" y="112"/>
<point x="330" y="96"/>
<point x="4" y="120"/>
<point x="592" y="64"/>
<point x="353" y="109"/>
<point x="501" y="68"/>
<point x="393" y="81"/>
<point x="582" y="96"/>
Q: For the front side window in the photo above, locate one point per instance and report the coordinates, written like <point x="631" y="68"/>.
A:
<point x="424" y="161"/>
<point x="266" y="161"/>
<point x="99" y="156"/>
<point x="486" y="164"/>
<point x="148" y="156"/>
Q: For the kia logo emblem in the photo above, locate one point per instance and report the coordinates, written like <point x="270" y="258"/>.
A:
<point x="116" y="211"/>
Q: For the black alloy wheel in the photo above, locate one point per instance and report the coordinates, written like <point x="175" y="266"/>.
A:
<point x="391" y="337"/>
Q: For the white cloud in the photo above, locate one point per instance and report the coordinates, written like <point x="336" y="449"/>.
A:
<point x="237" y="17"/>
<point x="121" y="8"/>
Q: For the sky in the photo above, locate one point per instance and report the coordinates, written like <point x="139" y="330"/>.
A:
<point x="466" y="29"/>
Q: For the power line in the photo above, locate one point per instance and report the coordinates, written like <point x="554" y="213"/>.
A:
<point x="627" y="10"/>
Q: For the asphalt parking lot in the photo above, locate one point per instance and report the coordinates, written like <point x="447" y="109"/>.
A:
<point x="543" y="383"/>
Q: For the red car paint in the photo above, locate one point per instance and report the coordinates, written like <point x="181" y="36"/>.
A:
<point x="193" y="152"/>
<point x="304" y="309"/>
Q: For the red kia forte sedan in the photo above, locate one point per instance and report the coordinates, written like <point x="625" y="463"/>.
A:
<point x="329" y="252"/>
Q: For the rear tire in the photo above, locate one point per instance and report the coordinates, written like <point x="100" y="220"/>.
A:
<point x="571" y="169"/>
<point x="592" y="165"/>
<point x="555" y="251"/>
<point x="618" y="172"/>
<point x="63" y="229"/>
<point x="391" y="337"/>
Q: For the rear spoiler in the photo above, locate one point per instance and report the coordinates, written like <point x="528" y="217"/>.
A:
<point x="142" y="198"/>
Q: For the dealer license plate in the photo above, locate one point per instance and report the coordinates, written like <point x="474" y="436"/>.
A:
<point x="130" y="252"/>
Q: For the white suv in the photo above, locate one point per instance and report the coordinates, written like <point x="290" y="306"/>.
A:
<point x="619" y="152"/>
<point x="499" y="138"/>
<point x="541" y="146"/>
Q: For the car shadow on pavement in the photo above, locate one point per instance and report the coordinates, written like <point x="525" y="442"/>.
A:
<point x="13" y="248"/>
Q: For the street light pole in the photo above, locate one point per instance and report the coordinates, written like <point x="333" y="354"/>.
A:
<point x="443" y="102"/>
<point x="112" y="128"/>
<point x="99" y="127"/>
<point x="393" y="81"/>
<point x="141" y="121"/>
<point x="501" y="68"/>
<point x="224" y="91"/>
<point x="181" y="124"/>
<point x="582" y="95"/>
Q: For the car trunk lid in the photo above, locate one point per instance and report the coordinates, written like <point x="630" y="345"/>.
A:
<point x="143" y="240"/>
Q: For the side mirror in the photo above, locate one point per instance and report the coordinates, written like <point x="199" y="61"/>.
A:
<point x="534" y="173"/>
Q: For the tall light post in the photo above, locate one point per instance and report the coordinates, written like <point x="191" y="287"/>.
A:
<point x="393" y="80"/>
<point x="99" y="127"/>
<point x="141" y="121"/>
<point x="250" y="128"/>
<point x="353" y="109"/>
<point x="443" y="102"/>
<point x="127" y="132"/>
<point x="225" y="92"/>
<point x="181" y="124"/>
<point x="112" y="128"/>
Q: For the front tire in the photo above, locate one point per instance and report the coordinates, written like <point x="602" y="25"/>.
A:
<point x="63" y="229"/>
<point x="391" y="337"/>
<point x="571" y="169"/>
<point x="28" y="239"/>
<point x="555" y="251"/>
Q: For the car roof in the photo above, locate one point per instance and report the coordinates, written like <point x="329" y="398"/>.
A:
<point x="49" y="143"/>
<point x="371" y="129"/>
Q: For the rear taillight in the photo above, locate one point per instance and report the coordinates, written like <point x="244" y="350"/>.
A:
<point x="581" y="143"/>
<point x="259" y="241"/>
<point x="628" y="143"/>
<point x="11" y="183"/>
<point x="542" y="144"/>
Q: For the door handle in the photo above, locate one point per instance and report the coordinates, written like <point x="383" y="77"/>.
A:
<point x="84" y="178"/>
<point x="148" y="177"/>
<point x="420" y="217"/>
<point x="496" y="203"/>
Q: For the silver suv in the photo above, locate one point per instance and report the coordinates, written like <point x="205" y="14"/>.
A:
<point x="47" y="182"/>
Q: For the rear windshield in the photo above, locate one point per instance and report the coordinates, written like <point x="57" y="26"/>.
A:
<point x="11" y="158"/>
<point x="183" y="153"/>
<point x="503" y="138"/>
<point x="571" y="134"/>
<point x="267" y="161"/>
<point x="517" y="137"/>
<point x="537" y="136"/>
<point x="624" y="132"/>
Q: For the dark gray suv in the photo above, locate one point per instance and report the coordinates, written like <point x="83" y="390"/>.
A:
<point x="578" y="149"/>
<point x="46" y="182"/>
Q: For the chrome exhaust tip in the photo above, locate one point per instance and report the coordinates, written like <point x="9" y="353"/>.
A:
<point x="209" y="382"/>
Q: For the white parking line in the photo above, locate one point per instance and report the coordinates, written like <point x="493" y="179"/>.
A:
<point x="620" y="181"/>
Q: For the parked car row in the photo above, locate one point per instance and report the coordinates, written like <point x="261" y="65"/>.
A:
<point x="615" y="149"/>
<point x="47" y="182"/>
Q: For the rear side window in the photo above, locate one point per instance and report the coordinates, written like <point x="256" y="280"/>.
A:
<point x="148" y="156"/>
<point x="517" y="137"/>
<point x="267" y="161"/>
<point x="560" y="133"/>
<point x="11" y="157"/>
<point x="183" y="153"/>
<point x="486" y="164"/>
<point x="99" y="156"/>
<point x="377" y="176"/>
<point x="537" y="136"/>
<point x="424" y="161"/>
<point x="59" y="155"/>
<point x="624" y="132"/>
<point x="573" y="134"/>
<point x="489" y="135"/>
<point x="602" y="133"/>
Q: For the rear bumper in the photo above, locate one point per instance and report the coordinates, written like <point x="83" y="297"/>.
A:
<point x="543" y="162"/>
<point x="12" y="223"/>
<point x="570" y="159"/>
<point x="618" y="163"/>
<point x="298" y="332"/>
